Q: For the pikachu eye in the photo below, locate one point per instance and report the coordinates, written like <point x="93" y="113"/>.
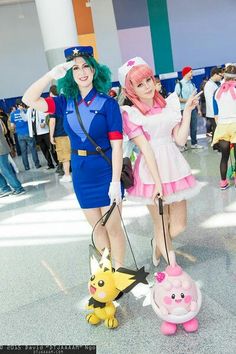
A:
<point x="101" y="283"/>
<point x="92" y="277"/>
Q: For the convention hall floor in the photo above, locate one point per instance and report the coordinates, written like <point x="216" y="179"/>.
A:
<point x="44" y="268"/>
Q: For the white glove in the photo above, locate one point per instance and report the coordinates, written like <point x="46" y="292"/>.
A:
<point x="59" y="71"/>
<point x="115" y="192"/>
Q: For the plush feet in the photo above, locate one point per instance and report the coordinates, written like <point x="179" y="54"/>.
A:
<point x="111" y="322"/>
<point x="92" y="319"/>
<point x="191" y="326"/>
<point x="168" y="329"/>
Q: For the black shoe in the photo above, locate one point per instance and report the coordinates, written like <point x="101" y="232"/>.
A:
<point x="21" y="191"/>
<point x="59" y="168"/>
<point x="38" y="166"/>
<point x="50" y="167"/>
<point x="61" y="173"/>
<point x="27" y="168"/>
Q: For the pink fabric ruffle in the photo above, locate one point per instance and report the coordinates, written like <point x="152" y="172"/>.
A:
<point x="146" y="190"/>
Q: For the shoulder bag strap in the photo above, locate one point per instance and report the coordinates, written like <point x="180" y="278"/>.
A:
<point x="181" y="88"/>
<point x="98" y="148"/>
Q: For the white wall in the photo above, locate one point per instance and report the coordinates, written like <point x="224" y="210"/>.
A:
<point x="202" y="32"/>
<point x="22" y="58"/>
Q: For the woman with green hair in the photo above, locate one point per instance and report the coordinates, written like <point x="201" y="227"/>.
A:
<point x="83" y="84"/>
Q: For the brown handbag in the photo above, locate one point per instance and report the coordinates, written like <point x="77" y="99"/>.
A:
<point x="127" y="177"/>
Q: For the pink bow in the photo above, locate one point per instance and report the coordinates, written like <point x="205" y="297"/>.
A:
<point x="160" y="277"/>
<point x="226" y="86"/>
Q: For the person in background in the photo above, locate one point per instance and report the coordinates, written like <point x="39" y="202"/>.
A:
<point x="40" y="131"/>
<point x="156" y="125"/>
<point x="6" y="121"/>
<point x="202" y="100"/>
<point x="184" y="88"/>
<point x="160" y="88"/>
<point x="85" y="83"/>
<point x="209" y="90"/>
<point x="60" y="140"/>
<point x="113" y="92"/>
<point x="19" y="123"/>
<point x="224" y="105"/>
<point x="9" y="183"/>
<point x="16" y="142"/>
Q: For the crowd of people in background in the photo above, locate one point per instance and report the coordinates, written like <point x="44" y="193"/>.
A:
<point x="28" y="130"/>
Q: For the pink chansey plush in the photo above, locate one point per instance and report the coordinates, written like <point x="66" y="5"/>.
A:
<point x="176" y="299"/>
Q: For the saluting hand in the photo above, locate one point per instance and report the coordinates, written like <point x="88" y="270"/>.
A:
<point x="59" y="71"/>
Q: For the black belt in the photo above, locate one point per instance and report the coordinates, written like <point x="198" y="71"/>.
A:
<point x="86" y="152"/>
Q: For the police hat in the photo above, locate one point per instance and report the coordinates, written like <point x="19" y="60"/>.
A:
<point x="82" y="51"/>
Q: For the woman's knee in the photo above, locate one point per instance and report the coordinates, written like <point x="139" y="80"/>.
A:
<point x="100" y="230"/>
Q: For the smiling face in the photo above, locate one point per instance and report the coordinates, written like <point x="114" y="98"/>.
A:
<point x="102" y="286"/>
<point x="83" y="74"/>
<point x="145" y="89"/>
<point x="176" y="293"/>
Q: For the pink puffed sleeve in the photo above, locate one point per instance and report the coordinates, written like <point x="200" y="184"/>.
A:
<point x="130" y="129"/>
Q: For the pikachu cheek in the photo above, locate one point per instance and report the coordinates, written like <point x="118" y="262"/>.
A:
<point x="101" y="295"/>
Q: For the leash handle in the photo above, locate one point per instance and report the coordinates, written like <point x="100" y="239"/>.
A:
<point x="161" y="212"/>
<point x="160" y="203"/>
<point x="108" y="214"/>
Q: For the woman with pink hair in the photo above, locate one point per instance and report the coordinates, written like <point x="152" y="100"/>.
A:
<point x="155" y="125"/>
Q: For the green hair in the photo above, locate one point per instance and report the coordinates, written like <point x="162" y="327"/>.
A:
<point x="101" y="79"/>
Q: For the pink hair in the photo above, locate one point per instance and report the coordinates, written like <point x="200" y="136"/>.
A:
<point x="135" y="76"/>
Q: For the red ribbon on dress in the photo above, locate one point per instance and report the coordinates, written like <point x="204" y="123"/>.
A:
<point x="226" y="86"/>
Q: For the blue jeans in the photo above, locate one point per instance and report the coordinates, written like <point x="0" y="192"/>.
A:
<point x="25" y="142"/>
<point x="8" y="176"/>
<point x="193" y="127"/>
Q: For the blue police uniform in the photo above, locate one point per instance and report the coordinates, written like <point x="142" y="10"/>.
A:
<point x="102" y="119"/>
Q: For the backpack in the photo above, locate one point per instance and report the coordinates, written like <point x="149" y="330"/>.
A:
<point x="181" y="87"/>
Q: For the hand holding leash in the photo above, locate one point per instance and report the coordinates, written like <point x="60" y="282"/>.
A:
<point x="157" y="193"/>
<point x="115" y="192"/>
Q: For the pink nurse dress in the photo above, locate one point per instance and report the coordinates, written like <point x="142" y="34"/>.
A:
<point x="157" y="125"/>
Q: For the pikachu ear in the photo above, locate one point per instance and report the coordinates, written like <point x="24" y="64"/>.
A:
<point x="105" y="263"/>
<point x="126" y="279"/>
<point x="94" y="259"/>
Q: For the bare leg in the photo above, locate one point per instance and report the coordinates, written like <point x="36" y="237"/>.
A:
<point x="158" y="252"/>
<point x="177" y="224"/>
<point x="101" y="237"/>
<point x="158" y="229"/>
<point x="116" y="236"/>
<point x="177" y="218"/>
<point x="66" y="167"/>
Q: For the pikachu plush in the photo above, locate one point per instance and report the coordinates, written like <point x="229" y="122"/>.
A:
<point x="105" y="286"/>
